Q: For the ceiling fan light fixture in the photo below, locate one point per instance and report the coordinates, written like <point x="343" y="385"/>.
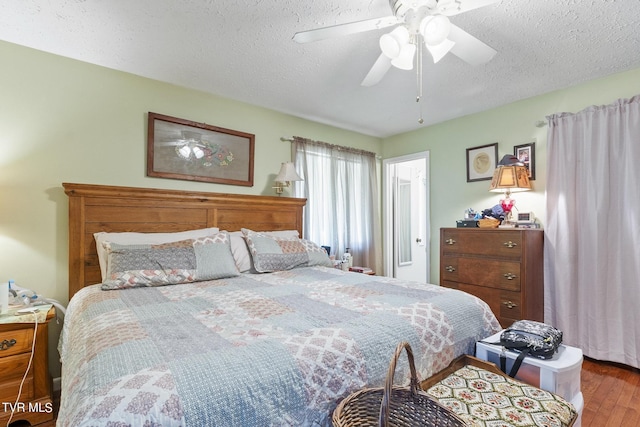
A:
<point x="404" y="61"/>
<point x="435" y="29"/>
<point x="439" y="51"/>
<point x="392" y="43"/>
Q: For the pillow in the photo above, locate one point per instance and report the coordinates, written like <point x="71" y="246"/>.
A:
<point x="317" y="254"/>
<point x="130" y="238"/>
<point x="186" y="261"/>
<point x="240" y="250"/>
<point x="273" y="253"/>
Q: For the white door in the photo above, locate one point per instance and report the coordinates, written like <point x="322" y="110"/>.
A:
<point x="406" y="225"/>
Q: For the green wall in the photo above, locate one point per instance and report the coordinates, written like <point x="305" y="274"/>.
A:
<point x="509" y="125"/>
<point x="63" y="120"/>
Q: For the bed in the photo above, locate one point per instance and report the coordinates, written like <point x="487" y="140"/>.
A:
<point x="278" y="347"/>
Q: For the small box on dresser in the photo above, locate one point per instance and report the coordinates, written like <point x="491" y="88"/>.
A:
<point x="503" y="267"/>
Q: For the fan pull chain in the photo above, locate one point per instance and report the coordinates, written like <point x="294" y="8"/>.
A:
<point x="419" y="75"/>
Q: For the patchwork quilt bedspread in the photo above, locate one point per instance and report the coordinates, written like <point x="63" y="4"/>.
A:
<point x="255" y="350"/>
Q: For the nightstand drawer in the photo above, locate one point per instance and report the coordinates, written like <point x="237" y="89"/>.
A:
<point x="9" y="390"/>
<point x="16" y="341"/>
<point x="12" y="367"/>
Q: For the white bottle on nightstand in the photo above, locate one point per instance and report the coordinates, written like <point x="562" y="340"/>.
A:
<point x="347" y="258"/>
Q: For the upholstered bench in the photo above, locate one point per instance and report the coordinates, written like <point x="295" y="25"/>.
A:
<point x="483" y="396"/>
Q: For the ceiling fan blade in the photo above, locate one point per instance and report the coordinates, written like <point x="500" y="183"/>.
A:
<point x="344" y="29"/>
<point x="453" y="8"/>
<point x="468" y="48"/>
<point x="377" y="72"/>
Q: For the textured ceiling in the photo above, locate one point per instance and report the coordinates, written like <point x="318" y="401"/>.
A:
<point x="243" y="50"/>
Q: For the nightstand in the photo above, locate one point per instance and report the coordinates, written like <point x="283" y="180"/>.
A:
<point x="16" y="342"/>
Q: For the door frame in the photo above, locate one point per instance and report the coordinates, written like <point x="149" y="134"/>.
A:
<point x="387" y="208"/>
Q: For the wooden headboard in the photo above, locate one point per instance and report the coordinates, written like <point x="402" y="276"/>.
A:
<point x="94" y="208"/>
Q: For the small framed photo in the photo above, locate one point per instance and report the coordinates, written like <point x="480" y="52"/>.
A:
<point x="183" y="149"/>
<point x="526" y="153"/>
<point x="481" y="162"/>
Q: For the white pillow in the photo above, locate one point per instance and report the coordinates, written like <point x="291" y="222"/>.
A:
<point x="131" y="238"/>
<point x="240" y="249"/>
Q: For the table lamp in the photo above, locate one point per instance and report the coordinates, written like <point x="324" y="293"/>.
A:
<point x="511" y="175"/>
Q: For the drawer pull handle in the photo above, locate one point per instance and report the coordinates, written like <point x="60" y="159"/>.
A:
<point x="510" y="304"/>
<point x="450" y="268"/>
<point x="510" y="244"/>
<point x="510" y="276"/>
<point x="450" y="242"/>
<point x="7" y="344"/>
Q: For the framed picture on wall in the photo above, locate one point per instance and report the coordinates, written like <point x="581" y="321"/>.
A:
<point x="481" y="162"/>
<point x="526" y="153"/>
<point x="183" y="149"/>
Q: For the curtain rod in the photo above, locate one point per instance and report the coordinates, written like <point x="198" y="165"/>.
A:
<point x="290" y="139"/>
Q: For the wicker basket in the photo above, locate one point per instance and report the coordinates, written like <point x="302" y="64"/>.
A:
<point x="394" y="406"/>
<point x="488" y="223"/>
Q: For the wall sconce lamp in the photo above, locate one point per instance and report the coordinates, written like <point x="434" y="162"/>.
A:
<point x="511" y="175"/>
<point x="286" y="175"/>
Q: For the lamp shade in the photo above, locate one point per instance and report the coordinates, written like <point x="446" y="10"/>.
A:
<point x="440" y="50"/>
<point x="435" y="29"/>
<point x="288" y="173"/>
<point x="510" y="178"/>
<point x="391" y="44"/>
<point x="404" y="61"/>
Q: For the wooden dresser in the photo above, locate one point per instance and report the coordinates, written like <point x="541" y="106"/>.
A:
<point x="16" y="341"/>
<point x="503" y="267"/>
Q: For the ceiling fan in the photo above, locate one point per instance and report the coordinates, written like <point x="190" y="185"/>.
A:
<point x="417" y="21"/>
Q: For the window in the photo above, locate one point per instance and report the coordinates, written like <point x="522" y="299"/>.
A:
<point x="341" y="188"/>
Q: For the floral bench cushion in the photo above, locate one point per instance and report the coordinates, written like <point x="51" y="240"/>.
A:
<point x="487" y="399"/>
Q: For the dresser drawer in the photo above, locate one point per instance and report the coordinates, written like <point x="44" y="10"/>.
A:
<point x="510" y="306"/>
<point x="16" y="341"/>
<point x="489" y="273"/>
<point x="506" y="244"/>
<point x="9" y="390"/>
<point x="505" y="305"/>
<point x="450" y="269"/>
<point x="482" y="272"/>
<point x="12" y="367"/>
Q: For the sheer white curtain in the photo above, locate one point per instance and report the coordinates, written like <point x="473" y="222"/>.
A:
<point x="592" y="251"/>
<point x="341" y="187"/>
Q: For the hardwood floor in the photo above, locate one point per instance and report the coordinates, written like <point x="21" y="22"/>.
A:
<point x="611" y="395"/>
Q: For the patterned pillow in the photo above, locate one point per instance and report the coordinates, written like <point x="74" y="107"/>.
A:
<point x="191" y="260"/>
<point x="272" y="253"/>
<point x="317" y="254"/>
<point x="241" y="252"/>
<point x="131" y="238"/>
